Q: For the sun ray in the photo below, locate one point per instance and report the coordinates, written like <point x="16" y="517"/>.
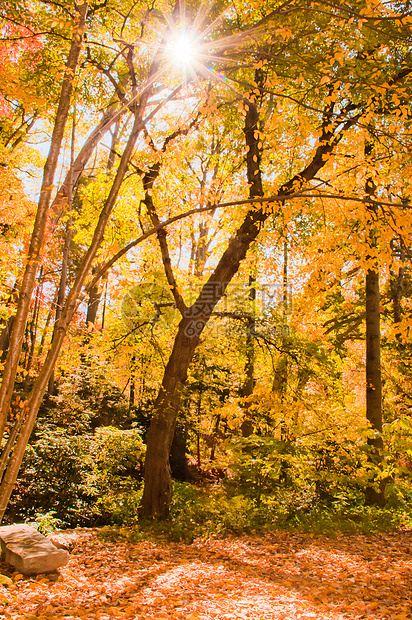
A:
<point x="183" y="49"/>
<point x="194" y="52"/>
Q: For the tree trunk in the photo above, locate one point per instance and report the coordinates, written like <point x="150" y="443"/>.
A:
<point x="46" y="326"/>
<point x="178" y="453"/>
<point x="106" y="278"/>
<point x="157" y="492"/>
<point x="76" y="169"/>
<point x="61" y="293"/>
<point x="198" y="425"/>
<point x="374" y="496"/>
<point x="5" y="338"/>
<point x="214" y="438"/>
<point x="7" y="326"/>
<point x="200" y="256"/>
<point x="247" y="426"/>
<point x="375" y="492"/>
<point x="132" y="390"/>
<point x="280" y="378"/>
<point x="95" y="296"/>
<point x="37" y="238"/>
<point x="397" y="285"/>
<point x="33" y="329"/>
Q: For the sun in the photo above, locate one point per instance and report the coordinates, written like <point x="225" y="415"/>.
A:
<point x="183" y="50"/>
<point x="192" y="49"/>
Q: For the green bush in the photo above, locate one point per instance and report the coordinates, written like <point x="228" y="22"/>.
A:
<point x="51" y="480"/>
<point x="81" y="480"/>
<point x="46" y="523"/>
<point x="115" y="459"/>
<point x="204" y="511"/>
<point x="300" y="473"/>
<point x="260" y="465"/>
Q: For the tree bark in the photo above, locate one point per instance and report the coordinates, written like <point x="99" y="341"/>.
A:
<point x="178" y="453"/>
<point x="93" y="302"/>
<point x="247" y="425"/>
<point x="375" y="492"/>
<point x="132" y="390"/>
<point x="157" y="492"/>
<point x="32" y="329"/>
<point x="397" y="285"/>
<point x="6" y="326"/>
<point x="61" y="293"/>
<point x="46" y="326"/>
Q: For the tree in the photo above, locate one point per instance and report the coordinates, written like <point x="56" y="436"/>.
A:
<point x="340" y="114"/>
<point x="278" y="98"/>
<point x="137" y="105"/>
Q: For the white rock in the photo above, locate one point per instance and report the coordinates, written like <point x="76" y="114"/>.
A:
<point x="30" y="552"/>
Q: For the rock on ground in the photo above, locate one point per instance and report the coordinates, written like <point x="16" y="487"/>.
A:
<point x="30" y="552"/>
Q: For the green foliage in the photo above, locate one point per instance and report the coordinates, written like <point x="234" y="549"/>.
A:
<point x="86" y="399"/>
<point x="259" y="464"/>
<point x="46" y="523"/>
<point x="207" y="512"/>
<point x="51" y="479"/>
<point x="356" y="520"/>
<point x="212" y="511"/>
<point x="196" y="512"/>
<point x="200" y="511"/>
<point x="115" y="459"/>
<point x="80" y="480"/>
<point x="264" y="466"/>
<point x="313" y="484"/>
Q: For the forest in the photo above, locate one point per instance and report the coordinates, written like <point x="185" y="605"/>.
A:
<point x="205" y="249"/>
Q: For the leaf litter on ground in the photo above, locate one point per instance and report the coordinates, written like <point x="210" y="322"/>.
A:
<point x="271" y="577"/>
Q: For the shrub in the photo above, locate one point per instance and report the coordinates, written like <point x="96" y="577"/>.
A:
<point x="51" y="479"/>
<point x="93" y="478"/>
<point x="115" y="460"/>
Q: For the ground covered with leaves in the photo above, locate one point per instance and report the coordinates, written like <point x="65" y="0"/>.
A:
<point x="260" y="578"/>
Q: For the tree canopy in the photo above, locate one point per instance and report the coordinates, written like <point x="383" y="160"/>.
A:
<point x="220" y="230"/>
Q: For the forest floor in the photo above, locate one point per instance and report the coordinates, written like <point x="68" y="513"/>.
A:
<point x="255" y="577"/>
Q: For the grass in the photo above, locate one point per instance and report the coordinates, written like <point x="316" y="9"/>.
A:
<point x="202" y="513"/>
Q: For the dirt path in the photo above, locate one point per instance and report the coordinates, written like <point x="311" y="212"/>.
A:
<point x="278" y="576"/>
